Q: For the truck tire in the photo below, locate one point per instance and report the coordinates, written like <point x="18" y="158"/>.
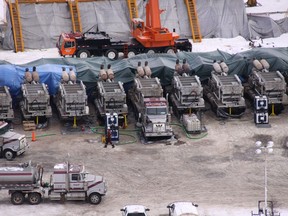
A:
<point x="83" y="54"/>
<point x="169" y="50"/>
<point x="34" y="198"/>
<point x="131" y="53"/>
<point x="95" y="198"/>
<point x="150" y="51"/>
<point x="9" y="155"/>
<point x="17" y="198"/>
<point x="111" y="54"/>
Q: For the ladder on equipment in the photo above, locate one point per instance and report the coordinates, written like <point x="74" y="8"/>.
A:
<point x="132" y="5"/>
<point x="16" y="26"/>
<point x="193" y="18"/>
<point x="75" y="15"/>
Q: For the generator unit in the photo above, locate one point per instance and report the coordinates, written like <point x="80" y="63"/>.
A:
<point x="6" y="110"/>
<point x="272" y="84"/>
<point x="187" y="101"/>
<point x="112" y="124"/>
<point x="111" y="98"/>
<point x="261" y="116"/>
<point x="35" y="100"/>
<point x="225" y="94"/>
<point x="71" y="100"/>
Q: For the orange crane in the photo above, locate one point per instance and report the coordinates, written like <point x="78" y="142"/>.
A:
<point x="153" y="34"/>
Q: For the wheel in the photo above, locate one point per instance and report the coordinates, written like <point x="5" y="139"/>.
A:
<point x="9" y="155"/>
<point x="111" y="54"/>
<point x="17" y="198"/>
<point x="83" y="54"/>
<point x="169" y="50"/>
<point x="150" y="51"/>
<point x="131" y="53"/>
<point x="34" y="198"/>
<point x="95" y="198"/>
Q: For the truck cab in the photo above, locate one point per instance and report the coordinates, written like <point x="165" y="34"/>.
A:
<point x="183" y="209"/>
<point x="11" y="144"/>
<point x="134" y="210"/>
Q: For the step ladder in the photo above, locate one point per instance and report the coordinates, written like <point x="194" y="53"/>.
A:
<point x="75" y="15"/>
<point x="133" y="10"/>
<point x="16" y="26"/>
<point x="193" y="18"/>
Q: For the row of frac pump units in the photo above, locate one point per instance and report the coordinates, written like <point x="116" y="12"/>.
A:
<point x="224" y="92"/>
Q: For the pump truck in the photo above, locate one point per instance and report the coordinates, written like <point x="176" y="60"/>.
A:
<point x="149" y="37"/>
<point x="67" y="182"/>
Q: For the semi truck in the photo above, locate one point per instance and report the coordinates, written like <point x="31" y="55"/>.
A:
<point x="67" y="182"/>
<point x="151" y="108"/>
<point x="149" y="37"/>
<point x="11" y="144"/>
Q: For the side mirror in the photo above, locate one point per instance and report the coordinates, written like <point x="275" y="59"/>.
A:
<point x="122" y="209"/>
<point x="168" y="206"/>
<point x="147" y="209"/>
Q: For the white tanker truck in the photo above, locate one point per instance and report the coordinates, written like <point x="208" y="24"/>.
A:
<point x="67" y="182"/>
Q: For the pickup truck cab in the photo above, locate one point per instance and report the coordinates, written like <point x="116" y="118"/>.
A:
<point x="134" y="210"/>
<point x="183" y="209"/>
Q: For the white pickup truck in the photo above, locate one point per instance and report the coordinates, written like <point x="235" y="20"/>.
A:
<point x="183" y="209"/>
<point x="134" y="210"/>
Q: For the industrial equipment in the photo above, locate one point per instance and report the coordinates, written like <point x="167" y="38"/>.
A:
<point x="151" y="108"/>
<point x="67" y="182"/>
<point x="225" y="94"/>
<point x="261" y="116"/>
<point x="6" y="110"/>
<point x="265" y="212"/>
<point x="149" y="38"/>
<point x="272" y="84"/>
<point x="35" y="101"/>
<point x="112" y="124"/>
<point x="71" y="100"/>
<point x="11" y="144"/>
<point x="187" y="101"/>
<point x="111" y="98"/>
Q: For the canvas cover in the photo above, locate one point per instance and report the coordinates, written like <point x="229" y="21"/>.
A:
<point x="162" y="66"/>
<point x="43" y="23"/>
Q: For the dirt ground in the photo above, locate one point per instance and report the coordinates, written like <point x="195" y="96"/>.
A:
<point x="220" y="171"/>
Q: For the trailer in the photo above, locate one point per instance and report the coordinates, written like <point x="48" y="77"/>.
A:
<point x="111" y="98"/>
<point x="35" y="100"/>
<point x="67" y="182"/>
<point x="225" y="94"/>
<point x="6" y="109"/>
<point x="150" y="108"/>
<point x="271" y="84"/>
<point x="71" y="100"/>
<point x="187" y="101"/>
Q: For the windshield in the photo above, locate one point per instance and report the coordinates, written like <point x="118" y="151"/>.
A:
<point x="4" y="129"/>
<point x="156" y="111"/>
<point x="136" y="214"/>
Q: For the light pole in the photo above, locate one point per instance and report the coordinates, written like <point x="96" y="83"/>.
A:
<point x="265" y="149"/>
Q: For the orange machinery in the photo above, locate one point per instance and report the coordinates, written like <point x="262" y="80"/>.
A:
<point x="152" y="34"/>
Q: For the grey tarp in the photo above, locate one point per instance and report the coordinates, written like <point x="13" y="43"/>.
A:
<point x="43" y="23"/>
<point x="162" y="66"/>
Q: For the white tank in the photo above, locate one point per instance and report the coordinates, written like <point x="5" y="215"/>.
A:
<point x="65" y="76"/>
<point x="35" y="76"/>
<point x="257" y="64"/>
<point x="217" y="67"/>
<point x="28" y="76"/>
<point x="22" y="174"/>
<point x="72" y="75"/>
<point x="265" y="64"/>
<point x="224" y="67"/>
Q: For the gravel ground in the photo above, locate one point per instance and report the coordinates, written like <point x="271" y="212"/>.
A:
<point x="220" y="172"/>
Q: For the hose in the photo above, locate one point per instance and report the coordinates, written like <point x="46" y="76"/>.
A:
<point x="43" y="135"/>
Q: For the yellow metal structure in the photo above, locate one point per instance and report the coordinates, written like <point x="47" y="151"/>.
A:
<point x="16" y="26"/>
<point x="193" y="19"/>
<point x="75" y="15"/>
<point x="133" y="10"/>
